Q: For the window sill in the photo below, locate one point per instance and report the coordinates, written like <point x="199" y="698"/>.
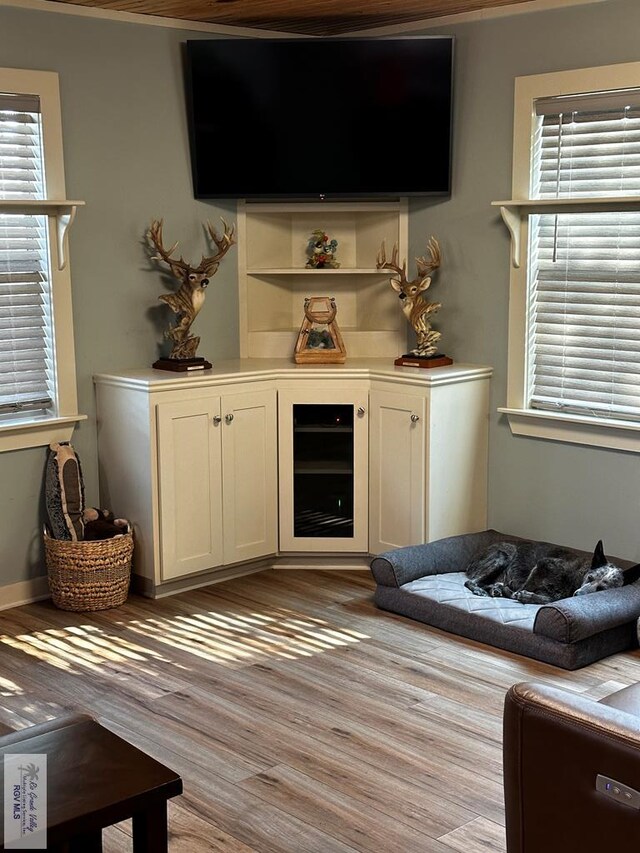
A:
<point x="576" y="429"/>
<point x="20" y="434"/>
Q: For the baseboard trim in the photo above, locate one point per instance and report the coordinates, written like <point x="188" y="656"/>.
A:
<point x="24" y="592"/>
<point x="146" y="587"/>
<point x="37" y="589"/>
<point x="314" y="562"/>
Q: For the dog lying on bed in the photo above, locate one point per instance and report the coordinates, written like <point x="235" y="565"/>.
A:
<point x="538" y="573"/>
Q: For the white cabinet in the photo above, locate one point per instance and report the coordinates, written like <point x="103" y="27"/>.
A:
<point x="218" y="481"/>
<point x="249" y="475"/>
<point x="273" y="280"/>
<point x="323" y="453"/>
<point x="428" y="466"/>
<point x="397" y="469"/>
<point x="190" y="486"/>
<point x="193" y="465"/>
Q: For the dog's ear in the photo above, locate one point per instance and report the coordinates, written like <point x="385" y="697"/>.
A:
<point x="599" y="558"/>
<point x="631" y="575"/>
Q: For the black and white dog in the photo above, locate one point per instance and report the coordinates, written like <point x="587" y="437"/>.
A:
<point x="537" y="573"/>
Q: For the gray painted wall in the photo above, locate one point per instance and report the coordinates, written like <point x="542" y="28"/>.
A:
<point x="560" y="492"/>
<point x="126" y="154"/>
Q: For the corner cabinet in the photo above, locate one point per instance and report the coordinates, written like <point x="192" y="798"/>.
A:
<point x="273" y="279"/>
<point x="193" y="465"/>
<point x="258" y="463"/>
<point x="428" y="458"/>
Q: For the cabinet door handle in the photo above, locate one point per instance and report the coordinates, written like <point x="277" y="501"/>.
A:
<point x="361" y="411"/>
<point x="216" y="419"/>
<point x="228" y="418"/>
<point x="415" y="419"/>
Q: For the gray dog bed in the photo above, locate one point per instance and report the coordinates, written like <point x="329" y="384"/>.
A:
<point x="426" y="582"/>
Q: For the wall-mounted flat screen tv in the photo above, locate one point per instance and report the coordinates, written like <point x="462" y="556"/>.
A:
<point x="320" y="118"/>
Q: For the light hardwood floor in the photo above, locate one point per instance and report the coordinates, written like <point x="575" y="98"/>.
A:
<point x="301" y="717"/>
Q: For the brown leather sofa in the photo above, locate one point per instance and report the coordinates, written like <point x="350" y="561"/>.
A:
<point x="556" y="745"/>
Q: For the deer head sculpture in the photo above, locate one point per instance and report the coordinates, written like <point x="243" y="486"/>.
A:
<point x="187" y="301"/>
<point x="414" y="306"/>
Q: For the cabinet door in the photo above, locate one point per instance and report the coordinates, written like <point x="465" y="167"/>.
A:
<point x="323" y="444"/>
<point x="190" y="484"/>
<point x="397" y="470"/>
<point x="249" y="475"/>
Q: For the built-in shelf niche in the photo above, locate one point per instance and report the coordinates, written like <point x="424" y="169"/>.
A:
<point x="274" y="281"/>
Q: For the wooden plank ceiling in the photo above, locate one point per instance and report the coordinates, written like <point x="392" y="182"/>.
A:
<point x="304" y="17"/>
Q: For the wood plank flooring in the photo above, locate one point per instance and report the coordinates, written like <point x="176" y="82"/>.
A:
<point x="301" y="718"/>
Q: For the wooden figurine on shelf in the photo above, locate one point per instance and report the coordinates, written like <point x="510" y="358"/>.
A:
<point x="319" y="340"/>
<point x="187" y="301"/>
<point x="415" y="307"/>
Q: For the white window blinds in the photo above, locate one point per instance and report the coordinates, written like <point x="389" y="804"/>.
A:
<point x="584" y="274"/>
<point x="27" y="374"/>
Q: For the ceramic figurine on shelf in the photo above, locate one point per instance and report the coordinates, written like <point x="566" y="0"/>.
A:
<point x="415" y="307"/>
<point x="187" y="301"/>
<point x="321" y="251"/>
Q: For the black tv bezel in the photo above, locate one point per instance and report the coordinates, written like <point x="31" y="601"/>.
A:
<point x="319" y="196"/>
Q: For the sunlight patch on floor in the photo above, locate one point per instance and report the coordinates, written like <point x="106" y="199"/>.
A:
<point x="79" y="646"/>
<point x="10" y="688"/>
<point x="245" y="637"/>
<point x="221" y="637"/>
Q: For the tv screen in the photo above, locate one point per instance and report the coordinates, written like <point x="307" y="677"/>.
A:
<point x="320" y="118"/>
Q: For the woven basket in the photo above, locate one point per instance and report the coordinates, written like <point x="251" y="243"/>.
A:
<point x="89" y="575"/>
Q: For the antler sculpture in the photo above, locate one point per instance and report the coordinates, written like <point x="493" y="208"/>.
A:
<point x="187" y="301"/>
<point x="414" y="307"/>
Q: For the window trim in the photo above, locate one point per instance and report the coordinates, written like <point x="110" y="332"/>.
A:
<point x="523" y="420"/>
<point x="21" y="433"/>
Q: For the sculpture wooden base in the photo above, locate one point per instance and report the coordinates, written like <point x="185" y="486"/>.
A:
<point x="409" y="360"/>
<point x="182" y="364"/>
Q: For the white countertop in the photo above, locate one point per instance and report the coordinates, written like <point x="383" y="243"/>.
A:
<point x="256" y="369"/>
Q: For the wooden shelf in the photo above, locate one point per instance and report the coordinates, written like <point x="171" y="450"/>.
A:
<point x="329" y="466"/>
<point x="63" y="210"/>
<point x="514" y="211"/>
<point x="325" y="429"/>
<point x="321" y="272"/>
<point x="298" y="207"/>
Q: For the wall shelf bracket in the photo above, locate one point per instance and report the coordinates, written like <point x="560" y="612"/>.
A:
<point x="512" y="219"/>
<point x="64" y="220"/>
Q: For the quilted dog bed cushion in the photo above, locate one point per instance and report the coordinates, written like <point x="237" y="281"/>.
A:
<point x="450" y="590"/>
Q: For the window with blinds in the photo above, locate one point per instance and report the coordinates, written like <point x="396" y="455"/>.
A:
<point x="584" y="273"/>
<point x="27" y="372"/>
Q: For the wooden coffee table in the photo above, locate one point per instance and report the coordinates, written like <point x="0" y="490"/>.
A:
<point x="95" y="779"/>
